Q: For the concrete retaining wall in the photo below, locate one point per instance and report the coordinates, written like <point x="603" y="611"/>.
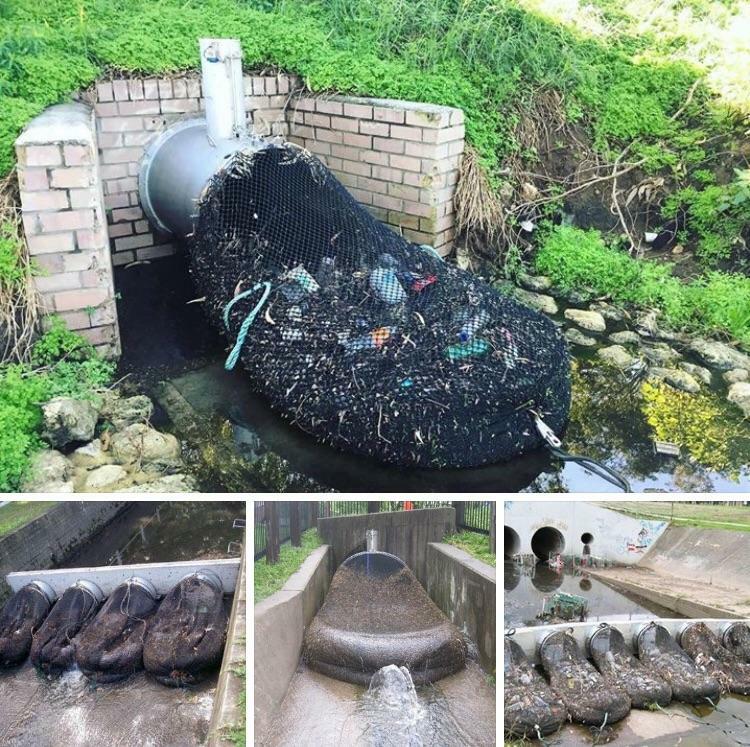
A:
<point x="405" y="534"/>
<point x="50" y="538"/>
<point x="280" y="623"/>
<point x="464" y="589"/>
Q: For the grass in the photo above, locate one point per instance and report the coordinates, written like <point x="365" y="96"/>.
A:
<point x="19" y="513"/>
<point x="237" y="735"/>
<point x="474" y="543"/>
<point x="709" y="515"/>
<point x="268" y="578"/>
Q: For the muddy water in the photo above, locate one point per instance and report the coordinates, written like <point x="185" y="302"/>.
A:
<point x="456" y="711"/>
<point x="526" y="587"/>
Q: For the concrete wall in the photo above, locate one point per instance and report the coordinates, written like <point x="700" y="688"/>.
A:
<point x="280" y="623"/>
<point x="464" y="589"/>
<point x="616" y="537"/>
<point x="48" y="539"/>
<point x="405" y="534"/>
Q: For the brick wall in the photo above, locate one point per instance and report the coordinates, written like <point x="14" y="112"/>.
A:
<point x="64" y="222"/>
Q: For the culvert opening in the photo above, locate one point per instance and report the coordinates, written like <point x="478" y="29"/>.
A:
<point x="587" y="538"/>
<point x="511" y="542"/>
<point x="546" y="541"/>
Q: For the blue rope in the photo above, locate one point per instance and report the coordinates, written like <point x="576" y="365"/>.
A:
<point x="233" y="357"/>
<point x="431" y="250"/>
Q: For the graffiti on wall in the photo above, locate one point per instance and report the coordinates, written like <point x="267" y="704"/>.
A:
<point x="648" y="532"/>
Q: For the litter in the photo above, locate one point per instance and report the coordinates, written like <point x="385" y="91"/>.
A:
<point x="20" y="618"/>
<point x="704" y="647"/>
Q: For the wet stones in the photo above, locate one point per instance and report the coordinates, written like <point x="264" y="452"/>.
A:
<point x="720" y="355"/>
<point x="705" y="648"/>
<point x="660" y="354"/>
<point x="676" y="378"/>
<point x="617" y="356"/>
<point x="535" y="283"/>
<point x="66" y="420"/>
<point x="625" y="337"/>
<point x="106" y="477"/>
<point x="48" y="472"/>
<point x="125" y="411"/>
<point x="531" y="709"/>
<point x="576" y="337"/>
<point x="739" y="394"/>
<point x="736" y="375"/>
<point x="140" y="442"/>
<point x="698" y="372"/>
<point x="592" y="321"/>
<point x="537" y="301"/>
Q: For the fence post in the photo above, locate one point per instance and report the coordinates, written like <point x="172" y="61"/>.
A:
<point x="294" y="534"/>
<point x="373" y="507"/>
<point x="493" y="509"/>
<point x="272" y="535"/>
<point x="459" y="506"/>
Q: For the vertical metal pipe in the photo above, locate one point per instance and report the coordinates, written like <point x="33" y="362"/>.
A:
<point x="221" y="71"/>
<point x="372" y="540"/>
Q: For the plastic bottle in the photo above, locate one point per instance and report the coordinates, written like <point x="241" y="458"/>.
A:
<point x="386" y="286"/>
<point x="473" y="325"/>
<point x="472" y="349"/>
<point x="374" y="339"/>
<point x="300" y="275"/>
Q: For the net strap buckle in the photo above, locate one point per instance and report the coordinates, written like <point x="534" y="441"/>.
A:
<point x="545" y="431"/>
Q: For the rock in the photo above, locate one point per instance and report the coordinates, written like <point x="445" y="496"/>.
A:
<point x="736" y="375"/>
<point x="676" y="378"/>
<point x="576" y="337"/>
<point x="106" y="477"/>
<point x="178" y="483"/>
<point x="739" y="394"/>
<point x="579" y="298"/>
<point x="699" y="372"/>
<point x="537" y="283"/>
<point x="626" y="337"/>
<point x="89" y="455"/>
<point x="538" y="301"/>
<point x="646" y="325"/>
<point x="720" y="355"/>
<point x="617" y="356"/>
<point x="139" y="442"/>
<point x="660" y="353"/>
<point x="65" y="420"/>
<point x="124" y="411"/>
<point x="590" y="320"/>
<point x="608" y="311"/>
<point x="47" y="467"/>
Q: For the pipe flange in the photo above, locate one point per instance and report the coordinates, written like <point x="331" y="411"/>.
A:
<point x="208" y="576"/>
<point x="45" y="589"/>
<point x="91" y="588"/>
<point x="726" y="629"/>
<point x="144" y="584"/>
<point x="682" y="630"/>
<point x="593" y="633"/>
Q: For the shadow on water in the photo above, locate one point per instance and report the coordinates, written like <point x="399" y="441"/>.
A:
<point x="164" y="337"/>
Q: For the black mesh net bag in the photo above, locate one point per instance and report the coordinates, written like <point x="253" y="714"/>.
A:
<point x="704" y="647"/>
<point x="736" y="638"/>
<point x="185" y="637"/>
<point x="20" y="617"/>
<point x="531" y="709"/>
<point x="111" y="647"/>
<point x="372" y="344"/>
<point x="690" y="682"/>
<point x="52" y="650"/>
<point x="589" y="698"/>
<point x="618" y="666"/>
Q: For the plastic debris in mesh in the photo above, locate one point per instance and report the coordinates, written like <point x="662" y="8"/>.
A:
<point x="704" y="647"/>
<point x="589" y="698"/>
<point x="110" y="648"/>
<point x="186" y="635"/>
<point x="618" y="666"/>
<point x="52" y="649"/>
<point x="20" y="617"/>
<point x="372" y="344"/>
<point x="690" y="683"/>
<point x="531" y="709"/>
<point x="736" y="638"/>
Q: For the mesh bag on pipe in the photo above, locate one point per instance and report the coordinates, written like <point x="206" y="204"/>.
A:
<point x="690" y="683"/>
<point x="53" y="650"/>
<point x="186" y="635"/>
<point x="20" y="617"/>
<point x="111" y="647"/>
<point x="704" y="647"/>
<point x="736" y="638"/>
<point x="589" y="698"/>
<point x="372" y="344"/>
<point x="531" y="709"/>
<point x="618" y="666"/>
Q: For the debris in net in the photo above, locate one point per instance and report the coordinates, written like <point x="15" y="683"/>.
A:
<point x="110" y="648"/>
<point x="690" y="682"/>
<point x="20" y="618"/>
<point x="619" y="667"/>
<point x="356" y="310"/>
<point x="704" y="647"/>
<point x="531" y="709"/>
<point x="52" y="650"/>
<point x="186" y="635"/>
<point x="736" y="638"/>
<point x="589" y="698"/>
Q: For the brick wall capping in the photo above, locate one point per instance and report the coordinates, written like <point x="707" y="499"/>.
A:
<point x="399" y="104"/>
<point x="62" y="123"/>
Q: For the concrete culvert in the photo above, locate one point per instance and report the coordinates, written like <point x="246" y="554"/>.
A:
<point x="545" y="541"/>
<point x="511" y="542"/>
<point x="587" y="538"/>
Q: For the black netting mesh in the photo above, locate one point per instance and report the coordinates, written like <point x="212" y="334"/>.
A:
<point x="737" y="639"/>
<point x="52" y="649"/>
<point x="704" y="647"/>
<point x="111" y="647"/>
<point x="372" y="344"/>
<point x="21" y="615"/>
<point x="185" y="637"/>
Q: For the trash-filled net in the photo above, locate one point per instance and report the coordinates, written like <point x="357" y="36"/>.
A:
<point x="370" y="343"/>
<point x="20" y="617"/>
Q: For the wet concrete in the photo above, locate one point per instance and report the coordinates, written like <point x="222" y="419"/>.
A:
<point x="457" y="711"/>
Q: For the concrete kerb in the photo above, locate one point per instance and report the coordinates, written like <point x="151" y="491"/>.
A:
<point x="280" y="622"/>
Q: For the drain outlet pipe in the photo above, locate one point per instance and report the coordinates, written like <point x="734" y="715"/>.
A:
<point x="178" y="164"/>
<point x="371" y="536"/>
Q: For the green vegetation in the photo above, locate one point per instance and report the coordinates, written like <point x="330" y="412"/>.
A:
<point x="708" y="514"/>
<point x="17" y="513"/>
<point x="64" y="364"/>
<point x="474" y="543"/>
<point x="238" y="734"/>
<point x="713" y="303"/>
<point x="270" y="578"/>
